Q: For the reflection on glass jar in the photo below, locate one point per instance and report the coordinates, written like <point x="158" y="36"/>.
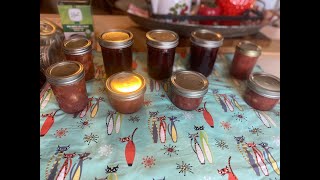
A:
<point x="116" y="50"/>
<point x="80" y="49"/>
<point x="263" y="91"/>
<point x="244" y="59"/>
<point x="125" y="91"/>
<point x="203" y="51"/>
<point x="68" y="85"/>
<point x="161" y="51"/>
<point x="187" y="89"/>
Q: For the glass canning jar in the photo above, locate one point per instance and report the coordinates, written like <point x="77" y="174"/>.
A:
<point x="187" y="89"/>
<point x="203" y="51"/>
<point x="161" y="46"/>
<point x="80" y="49"/>
<point x="244" y="59"/>
<point x="116" y="50"/>
<point x="125" y="91"/>
<point x="68" y="85"/>
<point x="263" y="91"/>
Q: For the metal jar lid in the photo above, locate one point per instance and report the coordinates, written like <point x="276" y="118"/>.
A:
<point x="163" y="39"/>
<point x="206" y="38"/>
<point x="249" y="48"/>
<point x="65" y="73"/>
<point x="116" y="38"/>
<point x="77" y="46"/>
<point x="189" y="84"/>
<point x="264" y="84"/>
<point x="124" y="80"/>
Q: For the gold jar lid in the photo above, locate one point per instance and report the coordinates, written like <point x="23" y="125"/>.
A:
<point x="65" y="73"/>
<point x="126" y="85"/>
<point x="116" y="38"/>
<point x="163" y="39"/>
<point x="46" y="28"/>
<point x="189" y="84"/>
<point x="249" y="48"/>
<point x="206" y="38"/>
<point x="77" y="45"/>
<point x="264" y="84"/>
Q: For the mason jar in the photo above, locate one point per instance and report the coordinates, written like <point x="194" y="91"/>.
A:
<point x="68" y="85"/>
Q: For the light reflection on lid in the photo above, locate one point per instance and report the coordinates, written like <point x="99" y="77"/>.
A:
<point x="125" y="84"/>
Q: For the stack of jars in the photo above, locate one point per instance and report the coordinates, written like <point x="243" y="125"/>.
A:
<point x="126" y="89"/>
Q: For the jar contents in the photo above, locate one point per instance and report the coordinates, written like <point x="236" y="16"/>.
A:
<point x="203" y="50"/>
<point x="80" y="49"/>
<point x="116" y="50"/>
<point x="125" y="91"/>
<point x="68" y="85"/>
<point x="161" y="46"/>
<point x="187" y="89"/>
<point x="244" y="60"/>
<point x="263" y="91"/>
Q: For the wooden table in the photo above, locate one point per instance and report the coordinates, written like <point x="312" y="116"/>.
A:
<point x="269" y="60"/>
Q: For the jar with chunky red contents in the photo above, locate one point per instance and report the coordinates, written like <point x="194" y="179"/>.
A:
<point x="161" y="46"/>
<point x="116" y="50"/>
<point x="68" y="85"/>
<point x="244" y="59"/>
<point x="80" y="49"/>
<point x="263" y="91"/>
<point x="187" y="89"/>
<point x="203" y="50"/>
<point x="125" y="91"/>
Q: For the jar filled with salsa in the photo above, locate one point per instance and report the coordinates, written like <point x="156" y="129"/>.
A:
<point x="125" y="91"/>
<point x="161" y="46"/>
<point x="68" y="85"/>
<point x="187" y="89"/>
<point x="203" y="50"/>
<point x="263" y="91"/>
<point x="116" y="50"/>
<point x="244" y="59"/>
<point x="80" y="49"/>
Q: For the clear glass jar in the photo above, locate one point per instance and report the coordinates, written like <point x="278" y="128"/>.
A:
<point x="80" y="49"/>
<point x="125" y="91"/>
<point x="187" y="89"/>
<point x="203" y="50"/>
<point x="116" y="50"/>
<point x="263" y="91"/>
<point x="244" y="59"/>
<point x="68" y="85"/>
<point x="161" y="46"/>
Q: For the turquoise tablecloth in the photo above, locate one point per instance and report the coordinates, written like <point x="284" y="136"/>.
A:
<point x="83" y="148"/>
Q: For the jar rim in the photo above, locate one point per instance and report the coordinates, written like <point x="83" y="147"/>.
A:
<point x="180" y="79"/>
<point x="249" y="48"/>
<point x="206" y="38"/>
<point x="255" y="84"/>
<point x="116" y="44"/>
<point x="162" y="38"/>
<point x="74" y="75"/>
<point x="126" y="96"/>
<point x="77" y="45"/>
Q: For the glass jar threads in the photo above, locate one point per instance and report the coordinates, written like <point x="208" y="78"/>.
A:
<point x="263" y="91"/>
<point x="80" y="49"/>
<point x="187" y="89"/>
<point x="68" y="85"/>
<point x="125" y="91"/>
<point x="203" y="51"/>
<point x="161" y="46"/>
<point x="244" y="59"/>
<point x="116" y="50"/>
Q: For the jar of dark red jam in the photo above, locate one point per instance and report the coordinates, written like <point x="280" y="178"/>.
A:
<point x="263" y="91"/>
<point x="80" y="49"/>
<point x="125" y="91"/>
<point x="116" y="50"/>
<point x="187" y="89"/>
<point x="203" y="51"/>
<point x="68" y="85"/>
<point x="161" y="46"/>
<point x="244" y="59"/>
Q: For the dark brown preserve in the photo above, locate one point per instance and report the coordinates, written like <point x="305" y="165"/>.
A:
<point x="68" y="85"/>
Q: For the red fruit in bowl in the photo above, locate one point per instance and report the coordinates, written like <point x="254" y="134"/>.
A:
<point x="234" y="8"/>
<point x="208" y="10"/>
